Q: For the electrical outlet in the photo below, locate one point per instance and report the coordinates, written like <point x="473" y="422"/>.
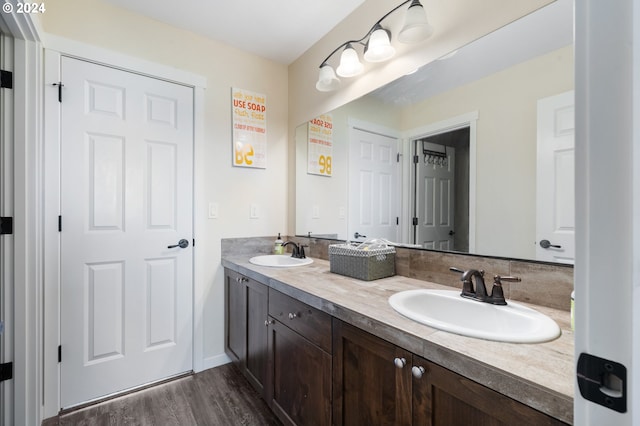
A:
<point x="254" y="212"/>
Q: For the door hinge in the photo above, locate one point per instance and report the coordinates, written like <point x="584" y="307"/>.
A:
<point x="415" y="221"/>
<point x="397" y="220"/>
<point x="6" y="79"/>
<point x="416" y="159"/>
<point x="6" y="371"/>
<point x="194" y="243"/>
<point x="59" y="353"/>
<point x="59" y="223"/>
<point x="398" y="157"/>
<point x="60" y="86"/>
<point x="6" y="225"/>
<point x="603" y="382"/>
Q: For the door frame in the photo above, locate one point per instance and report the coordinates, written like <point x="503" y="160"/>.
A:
<point x="56" y="48"/>
<point x="27" y="249"/>
<point x="454" y="123"/>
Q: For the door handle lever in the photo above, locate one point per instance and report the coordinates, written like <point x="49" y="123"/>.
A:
<point x="546" y="244"/>
<point x="182" y="244"/>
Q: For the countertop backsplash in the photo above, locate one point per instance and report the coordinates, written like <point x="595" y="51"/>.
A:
<point x="543" y="284"/>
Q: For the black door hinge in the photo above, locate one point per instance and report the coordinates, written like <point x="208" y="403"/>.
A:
<point x="60" y="86"/>
<point x="6" y="371"/>
<point x="59" y="353"/>
<point x="59" y="223"/>
<point x="415" y="221"/>
<point x="194" y="243"/>
<point x="6" y="79"/>
<point x="416" y="159"/>
<point x="6" y="225"/>
<point x="397" y="221"/>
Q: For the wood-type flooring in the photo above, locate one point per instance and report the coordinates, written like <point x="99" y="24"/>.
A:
<point x="218" y="396"/>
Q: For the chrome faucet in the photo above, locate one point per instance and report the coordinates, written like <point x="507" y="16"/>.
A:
<point x="297" y="251"/>
<point x="479" y="293"/>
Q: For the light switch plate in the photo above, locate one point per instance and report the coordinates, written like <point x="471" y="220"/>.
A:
<point x="213" y="210"/>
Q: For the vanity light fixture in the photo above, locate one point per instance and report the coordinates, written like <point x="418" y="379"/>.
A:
<point x="377" y="48"/>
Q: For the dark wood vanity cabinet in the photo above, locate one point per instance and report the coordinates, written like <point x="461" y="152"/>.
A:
<point x="377" y="383"/>
<point x="299" y="390"/>
<point x="246" y="304"/>
<point x="313" y="369"/>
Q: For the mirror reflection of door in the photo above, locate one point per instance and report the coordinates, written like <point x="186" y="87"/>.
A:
<point x="555" y="203"/>
<point x="374" y="200"/>
<point x="441" y="191"/>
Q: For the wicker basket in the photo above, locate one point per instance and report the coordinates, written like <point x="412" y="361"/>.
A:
<point x="366" y="265"/>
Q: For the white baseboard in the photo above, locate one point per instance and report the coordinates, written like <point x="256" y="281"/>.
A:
<point x="215" y="361"/>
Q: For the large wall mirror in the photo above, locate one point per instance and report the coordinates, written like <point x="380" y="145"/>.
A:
<point x="460" y="155"/>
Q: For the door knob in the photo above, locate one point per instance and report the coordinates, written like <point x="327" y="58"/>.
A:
<point x="359" y="235"/>
<point x="182" y="244"/>
<point x="545" y="244"/>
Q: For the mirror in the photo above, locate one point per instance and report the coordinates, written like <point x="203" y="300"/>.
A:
<point x="488" y="91"/>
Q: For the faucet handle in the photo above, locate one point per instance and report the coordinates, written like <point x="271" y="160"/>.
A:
<point x="454" y="269"/>
<point x="497" y="279"/>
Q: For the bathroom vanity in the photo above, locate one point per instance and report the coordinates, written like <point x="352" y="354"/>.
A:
<point x="326" y="349"/>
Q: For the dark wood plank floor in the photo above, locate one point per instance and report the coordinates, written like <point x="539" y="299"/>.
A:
<point x="218" y="396"/>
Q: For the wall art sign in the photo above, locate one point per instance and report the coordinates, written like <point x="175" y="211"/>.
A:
<point x="320" y="146"/>
<point x="249" y="112"/>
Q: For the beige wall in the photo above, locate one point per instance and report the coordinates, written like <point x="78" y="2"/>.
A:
<point x="234" y="189"/>
<point x="506" y="103"/>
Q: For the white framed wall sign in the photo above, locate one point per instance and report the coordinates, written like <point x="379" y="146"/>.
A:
<point x="249" y="112"/>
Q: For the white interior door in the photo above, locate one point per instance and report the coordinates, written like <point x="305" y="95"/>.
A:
<point x="374" y="201"/>
<point x="555" y="201"/>
<point x="126" y="179"/>
<point x="435" y="198"/>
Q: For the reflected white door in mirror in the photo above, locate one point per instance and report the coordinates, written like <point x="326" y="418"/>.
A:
<point x="374" y="186"/>
<point x="555" y="216"/>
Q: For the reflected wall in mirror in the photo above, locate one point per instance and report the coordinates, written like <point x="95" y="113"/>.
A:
<point x="488" y="90"/>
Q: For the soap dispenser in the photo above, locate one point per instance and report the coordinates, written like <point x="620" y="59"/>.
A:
<point x="277" y="245"/>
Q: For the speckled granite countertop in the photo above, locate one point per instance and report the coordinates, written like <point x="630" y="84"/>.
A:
<point x="539" y="375"/>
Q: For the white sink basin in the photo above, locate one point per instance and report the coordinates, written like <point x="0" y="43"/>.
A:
<point x="447" y="310"/>
<point x="279" y="261"/>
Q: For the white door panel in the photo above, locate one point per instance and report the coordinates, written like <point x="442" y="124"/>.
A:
<point x="555" y="201"/>
<point x="434" y="205"/>
<point x="127" y="159"/>
<point x="373" y="186"/>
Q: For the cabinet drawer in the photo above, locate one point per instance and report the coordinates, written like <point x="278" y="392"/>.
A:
<point x="311" y="323"/>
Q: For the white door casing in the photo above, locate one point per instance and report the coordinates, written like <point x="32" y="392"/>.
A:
<point x="555" y="199"/>
<point x="435" y="199"/>
<point x="374" y="177"/>
<point x="127" y="191"/>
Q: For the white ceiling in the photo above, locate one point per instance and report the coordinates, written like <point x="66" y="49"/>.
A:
<point x="280" y="30"/>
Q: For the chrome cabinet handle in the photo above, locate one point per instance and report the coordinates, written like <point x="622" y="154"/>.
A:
<point x="545" y="244"/>
<point x="268" y="322"/>
<point x="292" y="315"/>
<point x="241" y="279"/>
<point x="182" y="244"/>
<point x="417" y="371"/>
<point x="400" y="362"/>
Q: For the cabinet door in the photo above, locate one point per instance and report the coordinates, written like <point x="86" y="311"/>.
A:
<point x="257" y="334"/>
<point x="444" y="398"/>
<point x="300" y="390"/>
<point x="235" y="316"/>
<point x="368" y="387"/>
